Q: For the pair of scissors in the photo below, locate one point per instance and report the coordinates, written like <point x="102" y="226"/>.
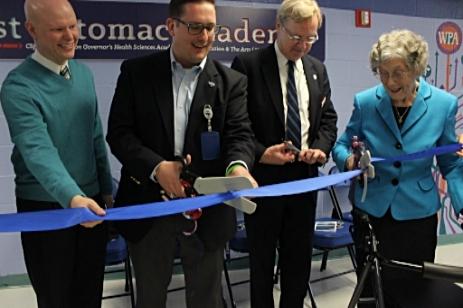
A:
<point x="187" y="180"/>
<point x="290" y="147"/>
<point x="362" y="160"/>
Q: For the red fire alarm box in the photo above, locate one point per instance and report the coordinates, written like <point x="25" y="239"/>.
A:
<point x="362" y="18"/>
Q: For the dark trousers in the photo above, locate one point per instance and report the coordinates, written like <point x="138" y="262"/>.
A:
<point x="153" y="257"/>
<point x="411" y="241"/>
<point x="287" y="223"/>
<point x="65" y="266"/>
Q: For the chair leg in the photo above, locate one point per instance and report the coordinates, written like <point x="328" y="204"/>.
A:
<point x="324" y="261"/>
<point x="229" y="287"/>
<point x="350" y="248"/>
<point x="313" y="304"/>
<point x="126" y="267"/>
<point x="129" y="281"/>
<point x="335" y="203"/>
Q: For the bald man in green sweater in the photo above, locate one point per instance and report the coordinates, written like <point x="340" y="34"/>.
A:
<point x="59" y="158"/>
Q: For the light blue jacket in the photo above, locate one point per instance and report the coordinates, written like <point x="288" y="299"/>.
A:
<point x="408" y="188"/>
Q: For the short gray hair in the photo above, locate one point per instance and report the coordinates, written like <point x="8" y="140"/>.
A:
<point x="299" y="10"/>
<point x="400" y="44"/>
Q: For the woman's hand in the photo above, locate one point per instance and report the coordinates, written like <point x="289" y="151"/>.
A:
<point x="460" y="140"/>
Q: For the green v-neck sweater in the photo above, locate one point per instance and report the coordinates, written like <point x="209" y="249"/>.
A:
<point x="59" y="149"/>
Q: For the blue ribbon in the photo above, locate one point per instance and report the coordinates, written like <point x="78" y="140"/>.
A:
<point x="445" y="149"/>
<point x="64" y="218"/>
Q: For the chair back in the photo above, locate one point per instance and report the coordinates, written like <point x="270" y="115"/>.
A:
<point x="239" y="242"/>
<point x="116" y="250"/>
<point x="117" y="253"/>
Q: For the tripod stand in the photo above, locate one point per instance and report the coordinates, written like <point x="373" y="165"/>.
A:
<point x="372" y="265"/>
<point x="374" y="261"/>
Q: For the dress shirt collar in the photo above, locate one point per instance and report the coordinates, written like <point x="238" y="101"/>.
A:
<point x="52" y="66"/>
<point x="175" y="64"/>
<point x="283" y="61"/>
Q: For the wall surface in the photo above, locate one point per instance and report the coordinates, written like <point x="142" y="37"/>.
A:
<point x="347" y="50"/>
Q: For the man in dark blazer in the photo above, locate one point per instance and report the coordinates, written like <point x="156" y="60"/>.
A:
<point x="160" y="110"/>
<point x="287" y="222"/>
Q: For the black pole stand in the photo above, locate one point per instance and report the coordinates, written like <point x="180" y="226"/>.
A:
<point x="372" y="266"/>
<point x="374" y="261"/>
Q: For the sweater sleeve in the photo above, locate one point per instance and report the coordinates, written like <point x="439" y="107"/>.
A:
<point x="30" y="136"/>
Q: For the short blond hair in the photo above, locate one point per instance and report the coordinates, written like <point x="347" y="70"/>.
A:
<point x="400" y="44"/>
<point x="299" y="10"/>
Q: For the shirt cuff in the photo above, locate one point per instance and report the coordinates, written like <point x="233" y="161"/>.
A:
<point x="153" y="174"/>
<point x="233" y="165"/>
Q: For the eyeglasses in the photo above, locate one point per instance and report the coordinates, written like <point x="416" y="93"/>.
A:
<point x="195" y="28"/>
<point x="311" y="39"/>
<point x="397" y="75"/>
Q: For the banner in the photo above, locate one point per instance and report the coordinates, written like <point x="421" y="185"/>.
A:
<point x="128" y="30"/>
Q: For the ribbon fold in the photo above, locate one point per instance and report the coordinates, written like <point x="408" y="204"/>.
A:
<point x="64" y="218"/>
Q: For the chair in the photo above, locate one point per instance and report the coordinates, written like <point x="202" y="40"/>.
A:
<point x="239" y="244"/>
<point x="327" y="241"/>
<point x="313" y="304"/>
<point x="118" y="258"/>
<point x="337" y="210"/>
<point x="117" y="255"/>
<point x="341" y="238"/>
<point x="177" y="262"/>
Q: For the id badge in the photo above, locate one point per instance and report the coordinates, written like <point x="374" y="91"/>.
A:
<point x="210" y="145"/>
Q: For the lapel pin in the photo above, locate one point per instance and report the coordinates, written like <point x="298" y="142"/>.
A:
<point x="314" y="77"/>
<point x="211" y="84"/>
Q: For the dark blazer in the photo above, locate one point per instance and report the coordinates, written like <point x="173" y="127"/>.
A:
<point x="265" y="105"/>
<point x="140" y="135"/>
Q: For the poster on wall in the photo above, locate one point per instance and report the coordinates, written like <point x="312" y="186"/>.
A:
<point x="136" y="29"/>
<point x="445" y="72"/>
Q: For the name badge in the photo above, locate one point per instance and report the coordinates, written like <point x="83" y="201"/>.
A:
<point x="210" y="140"/>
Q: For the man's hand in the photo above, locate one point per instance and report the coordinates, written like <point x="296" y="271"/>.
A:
<point x="168" y="176"/>
<point x="460" y="140"/>
<point x="81" y="201"/>
<point x="312" y="156"/>
<point x="242" y="171"/>
<point x="277" y="154"/>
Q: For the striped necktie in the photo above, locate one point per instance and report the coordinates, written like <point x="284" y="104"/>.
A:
<point x="293" y="120"/>
<point x="65" y="72"/>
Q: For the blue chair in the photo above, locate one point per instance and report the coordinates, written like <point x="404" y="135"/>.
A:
<point x="117" y="254"/>
<point x="313" y="304"/>
<point x="239" y="243"/>
<point x="331" y="240"/>
<point x="337" y="210"/>
<point x="118" y="259"/>
<point x="326" y="241"/>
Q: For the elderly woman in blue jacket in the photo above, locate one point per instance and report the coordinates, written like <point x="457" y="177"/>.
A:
<point x="403" y="114"/>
